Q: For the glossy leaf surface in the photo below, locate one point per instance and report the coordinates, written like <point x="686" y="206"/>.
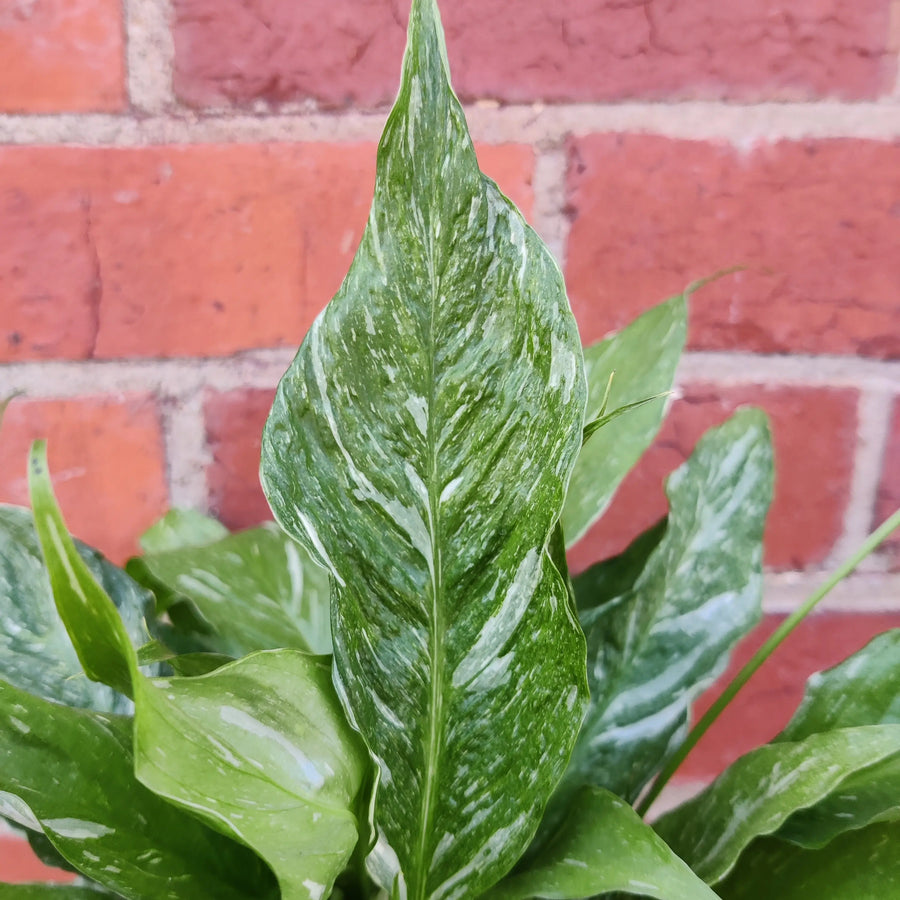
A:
<point x="644" y="357"/>
<point x="180" y="528"/>
<point x="36" y="654"/>
<point x="259" y="749"/>
<point x="662" y="618"/>
<point x="70" y="773"/>
<point x="604" y="846"/>
<point x="858" y="865"/>
<point x="257" y="590"/>
<point x="420" y="447"/>
<point x="757" y="794"/>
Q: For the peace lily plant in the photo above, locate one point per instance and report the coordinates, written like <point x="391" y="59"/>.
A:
<point x="400" y="692"/>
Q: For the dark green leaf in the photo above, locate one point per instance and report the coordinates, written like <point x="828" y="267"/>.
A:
<point x="70" y="774"/>
<point x="36" y="654"/>
<point x="858" y="865"/>
<point x="260" y="750"/>
<point x="644" y="357"/>
<point x="180" y="528"/>
<point x="256" y="590"/>
<point x="420" y="446"/>
<point x="50" y="892"/>
<point x="757" y="794"/>
<point x="604" y="846"/>
<point x="661" y="619"/>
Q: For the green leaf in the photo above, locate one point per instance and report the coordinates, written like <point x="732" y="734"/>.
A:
<point x="757" y="794"/>
<point x="50" y="892"/>
<point x="604" y="846"/>
<point x="260" y="750"/>
<point x="180" y="528"/>
<point x="69" y="773"/>
<point x="36" y="654"/>
<point x="644" y="357"/>
<point x="257" y="590"/>
<point x="420" y="446"/>
<point x="662" y="618"/>
<point x="858" y="865"/>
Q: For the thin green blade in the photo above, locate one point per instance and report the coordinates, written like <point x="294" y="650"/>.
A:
<point x="420" y="447"/>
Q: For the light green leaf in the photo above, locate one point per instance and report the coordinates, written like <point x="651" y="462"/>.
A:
<point x="661" y="619"/>
<point x="259" y="749"/>
<point x="257" y="590"/>
<point x="604" y="846"/>
<point x="858" y="865"/>
<point x="757" y="794"/>
<point x="644" y="357"/>
<point x="36" y="654"/>
<point x="180" y="528"/>
<point x="420" y="446"/>
<point x="69" y="773"/>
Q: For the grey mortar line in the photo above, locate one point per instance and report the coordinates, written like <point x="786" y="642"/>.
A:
<point x="866" y="592"/>
<point x="187" y="452"/>
<point x="550" y="199"/>
<point x="150" y="55"/>
<point x="742" y="125"/>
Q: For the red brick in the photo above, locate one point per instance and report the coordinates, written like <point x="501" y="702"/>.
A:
<point x="62" y="56"/>
<point x="234" y="424"/>
<point x="106" y="460"/>
<point x="889" y="489"/>
<point x="817" y="224"/>
<point x="19" y="865"/>
<point x="814" y="433"/>
<point x="347" y="52"/>
<point x="184" y="250"/>
<point x="766" y="704"/>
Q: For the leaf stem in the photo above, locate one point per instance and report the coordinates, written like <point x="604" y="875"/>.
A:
<point x="761" y="655"/>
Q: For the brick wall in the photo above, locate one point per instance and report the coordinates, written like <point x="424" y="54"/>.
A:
<point x="183" y="182"/>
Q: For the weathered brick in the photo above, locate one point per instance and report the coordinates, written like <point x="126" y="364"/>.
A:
<point x="234" y="423"/>
<point x="769" y="700"/>
<point x="61" y="56"/>
<point x="816" y="223"/>
<point x="19" y="865"/>
<point x="184" y="250"/>
<point x="347" y="52"/>
<point x="888" y="501"/>
<point x="814" y="431"/>
<point x="106" y="460"/>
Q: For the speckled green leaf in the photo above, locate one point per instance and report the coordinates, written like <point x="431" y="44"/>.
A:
<point x="757" y="794"/>
<point x="257" y="590"/>
<point x="69" y="773"/>
<point x="180" y="528"/>
<point x="259" y="749"/>
<point x="662" y="618"/>
<point x="420" y="446"/>
<point x="643" y="357"/>
<point x="36" y="654"/>
<point x="604" y="846"/>
<point x="858" y="865"/>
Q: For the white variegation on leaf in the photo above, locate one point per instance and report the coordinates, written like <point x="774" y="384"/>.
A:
<point x="420" y="446"/>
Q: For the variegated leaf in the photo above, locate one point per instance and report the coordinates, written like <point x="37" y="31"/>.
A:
<point x="420" y="446"/>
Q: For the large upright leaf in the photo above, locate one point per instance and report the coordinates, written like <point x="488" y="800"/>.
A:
<point x="858" y="865"/>
<point x="36" y="654"/>
<point x="257" y="590"/>
<point x="756" y="795"/>
<point x="604" y="846"/>
<point x="420" y="446"/>
<point x="259" y="748"/>
<point x="661" y="619"/>
<point x="69" y="773"/>
<point x="641" y="359"/>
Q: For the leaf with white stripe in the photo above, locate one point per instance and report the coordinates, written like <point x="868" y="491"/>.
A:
<point x="420" y="446"/>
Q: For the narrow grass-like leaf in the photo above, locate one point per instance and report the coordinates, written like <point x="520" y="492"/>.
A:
<point x="420" y="446"/>
<point x="644" y="357"/>
<point x="604" y="846"/>
<point x="257" y="590"/>
<point x="661" y="619"/>
<point x="757" y="794"/>
<point x="858" y="865"/>
<point x="69" y="773"/>
<point x="36" y="653"/>
<point x="259" y="749"/>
